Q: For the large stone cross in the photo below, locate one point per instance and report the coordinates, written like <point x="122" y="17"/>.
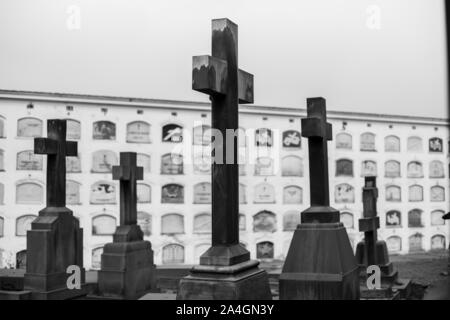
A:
<point x="318" y="131"/>
<point x="128" y="173"/>
<point x="219" y="77"/>
<point x="57" y="149"/>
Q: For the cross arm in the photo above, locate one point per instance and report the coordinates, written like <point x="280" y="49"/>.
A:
<point x="45" y="146"/>
<point x="209" y="75"/>
<point x="124" y="173"/>
<point x="245" y="81"/>
<point x="71" y="148"/>
<point x="316" y="127"/>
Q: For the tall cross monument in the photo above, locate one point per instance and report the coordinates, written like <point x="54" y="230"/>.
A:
<point x="226" y="265"/>
<point x="320" y="263"/>
<point x="127" y="268"/>
<point x="55" y="240"/>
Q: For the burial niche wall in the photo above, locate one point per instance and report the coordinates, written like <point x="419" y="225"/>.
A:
<point x="104" y="130"/>
<point x="344" y="141"/>
<point x="264" y="221"/>
<point x="103" y="225"/>
<point x="173" y="254"/>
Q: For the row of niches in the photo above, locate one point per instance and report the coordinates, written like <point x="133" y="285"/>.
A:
<point x="140" y="132"/>
<point x="106" y="192"/>
<point x="173" y="164"/>
<point x="104" y="223"/>
<point x="174" y="253"/>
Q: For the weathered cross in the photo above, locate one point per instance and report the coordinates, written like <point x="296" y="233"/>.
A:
<point x="218" y="76"/>
<point x="128" y="173"/>
<point x="370" y="223"/>
<point x="318" y="131"/>
<point x="57" y="149"/>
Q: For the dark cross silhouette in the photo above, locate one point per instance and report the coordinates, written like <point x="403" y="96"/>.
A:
<point x="370" y="223"/>
<point x="218" y="76"/>
<point x="57" y="149"/>
<point x="128" y="173"/>
<point x="318" y="131"/>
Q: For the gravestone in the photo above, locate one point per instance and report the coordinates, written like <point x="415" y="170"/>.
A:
<point x="127" y="269"/>
<point x="225" y="271"/>
<point x="320" y="263"/>
<point x="55" y="240"/>
<point x="372" y="251"/>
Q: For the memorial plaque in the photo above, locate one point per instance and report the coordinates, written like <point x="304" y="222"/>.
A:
<point x="172" y="224"/>
<point x="344" y="141"/>
<point x="2" y="226"/>
<point x="73" y="164"/>
<point x="438" y="242"/>
<point x="263" y="137"/>
<point x="103" y="225"/>
<point x="436" y="169"/>
<point x="393" y="218"/>
<point x="202" y="223"/>
<point x="392" y="169"/>
<point x="2" y="128"/>
<point x="242" y="222"/>
<point x="437" y="193"/>
<point x="2" y="160"/>
<point x="292" y="195"/>
<point x="264" y="166"/>
<point x="29" y="127"/>
<point x="292" y="166"/>
<point x="394" y="244"/>
<point x="344" y="193"/>
<point x="415" y="218"/>
<point x="138" y="132"/>
<point x="28" y="160"/>
<point x="144" y="161"/>
<point x="173" y="254"/>
<point x="415" y="169"/>
<point x="264" y="193"/>
<point x="264" y="221"/>
<point x="172" y="193"/>
<point x="344" y="167"/>
<point x="202" y="135"/>
<point x="202" y="164"/>
<point x="104" y="130"/>
<point x="392" y="144"/>
<point x="264" y="250"/>
<point x="73" y="192"/>
<point x="369" y="168"/>
<point x="436" y="218"/>
<point x="144" y="220"/>
<point x="73" y="129"/>
<point x="103" y="192"/>
<point x="2" y="193"/>
<point x="435" y="145"/>
<point x="242" y="194"/>
<point x="415" y="193"/>
<point x="29" y="193"/>
<point x="347" y="220"/>
<point x="172" y="133"/>
<point x="393" y="193"/>
<point x="103" y="161"/>
<point x="367" y="142"/>
<point x="97" y="258"/>
<point x="415" y="242"/>
<point x="291" y="139"/>
<point x="202" y="193"/>
<point x="21" y="260"/>
<point x="291" y="220"/>
<point x="143" y="193"/>
<point x="172" y="164"/>
<point x="414" y="144"/>
<point x="23" y="224"/>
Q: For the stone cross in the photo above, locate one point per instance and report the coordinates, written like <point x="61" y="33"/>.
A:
<point x="128" y="173"/>
<point x="370" y="222"/>
<point x="219" y="77"/>
<point x="318" y="131"/>
<point x="57" y="149"/>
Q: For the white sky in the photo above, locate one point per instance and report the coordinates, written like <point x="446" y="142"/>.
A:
<point x="296" y="49"/>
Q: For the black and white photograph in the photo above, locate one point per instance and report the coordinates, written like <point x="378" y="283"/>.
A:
<point x="226" y="157"/>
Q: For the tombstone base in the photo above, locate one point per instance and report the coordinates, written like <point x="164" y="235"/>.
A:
<point x="320" y="265"/>
<point x="220" y="255"/>
<point x="243" y="281"/>
<point x="127" y="270"/>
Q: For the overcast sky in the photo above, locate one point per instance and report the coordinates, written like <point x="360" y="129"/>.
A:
<point x="384" y="56"/>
